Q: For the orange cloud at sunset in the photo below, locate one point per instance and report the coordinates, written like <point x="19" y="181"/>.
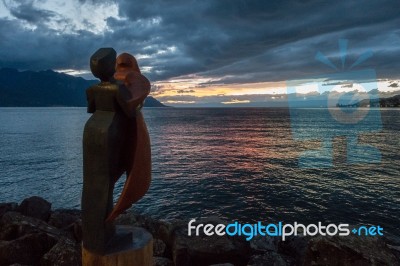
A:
<point x="202" y="87"/>
<point x="192" y="90"/>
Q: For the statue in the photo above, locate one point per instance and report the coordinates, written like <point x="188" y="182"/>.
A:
<point x="115" y="141"/>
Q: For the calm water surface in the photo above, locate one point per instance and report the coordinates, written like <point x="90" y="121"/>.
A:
<point x="237" y="164"/>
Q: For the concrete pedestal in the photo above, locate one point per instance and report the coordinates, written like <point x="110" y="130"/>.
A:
<point x="138" y="252"/>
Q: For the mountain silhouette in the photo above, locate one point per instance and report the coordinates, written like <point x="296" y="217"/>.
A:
<point x="47" y="88"/>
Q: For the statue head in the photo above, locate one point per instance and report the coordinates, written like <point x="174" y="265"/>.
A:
<point x="102" y="63"/>
<point x="125" y="63"/>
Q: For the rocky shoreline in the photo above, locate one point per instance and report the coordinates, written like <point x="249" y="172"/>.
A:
<point x="33" y="234"/>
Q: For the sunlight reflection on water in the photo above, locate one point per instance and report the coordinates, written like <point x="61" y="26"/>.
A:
<point x="237" y="164"/>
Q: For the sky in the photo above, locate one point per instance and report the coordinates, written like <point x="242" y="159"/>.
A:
<point x="209" y="51"/>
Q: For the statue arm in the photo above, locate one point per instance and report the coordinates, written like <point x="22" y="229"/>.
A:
<point x="132" y="93"/>
<point x="91" y="106"/>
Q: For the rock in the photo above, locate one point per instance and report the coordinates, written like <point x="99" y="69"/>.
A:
<point x="15" y="225"/>
<point x="294" y="247"/>
<point x="27" y="249"/>
<point x="78" y="231"/>
<point x="128" y="218"/>
<point x="160" y="229"/>
<point x="148" y="223"/>
<point x="31" y="241"/>
<point x="166" y="231"/>
<point x="264" y="243"/>
<point x="159" y="247"/>
<point x="395" y="250"/>
<point x="69" y="221"/>
<point x="161" y="261"/>
<point x="270" y="258"/>
<point x="36" y="207"/>
<point x="206" y="250"/>
<point x="7" y="207"/>
<point x="28" y="240"/>
<point x="63" y="218"/>
<point x="350" y="250"/>
<point x="64" y="253"/>
<point x="9" y="232"/>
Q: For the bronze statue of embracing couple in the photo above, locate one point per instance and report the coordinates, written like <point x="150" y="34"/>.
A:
<point x="115" y="141"/>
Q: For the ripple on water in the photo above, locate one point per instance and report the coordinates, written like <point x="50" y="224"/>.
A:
<point x="237" y="164"/>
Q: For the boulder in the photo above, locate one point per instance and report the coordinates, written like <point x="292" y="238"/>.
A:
<point x="166" y="230"/>
<point x="36" y="207"/>
<point x="63" y="218"/>
<point x="28" y="240"/>
<point x="294" y="247"/>
<point x="159" y="248"/>
<point x="147" y="222"/>
<point x="7" y="207"/>
<point x="77" y="228"/>
<point x="69" y="221"/>
<point x="270" y="258"/>
<point x="350" y="250"/>
<point x="126" y="218"/>
<point x="206" y="250"/>
<point x="395" y="250"/>
<point x="161" y="261"/>
<point x="160" y="229"/>
<point x="27" y="249"/>
<point x="261" y="244"/>
<point x="14" y="225"/>
<point x="64" y="253"/>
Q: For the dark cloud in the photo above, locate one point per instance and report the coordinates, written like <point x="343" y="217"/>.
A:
<point x="185" y="91"/>
<point x="25" y="10"/>
<point x="234" y="41"/>
<point x="349" y="85"/>
<point x="43" y="49"/>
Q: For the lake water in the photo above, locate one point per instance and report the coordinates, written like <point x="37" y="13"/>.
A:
<point x="237" y="164"/>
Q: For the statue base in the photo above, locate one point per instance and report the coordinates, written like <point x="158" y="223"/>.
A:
<point x="138" y="251"/>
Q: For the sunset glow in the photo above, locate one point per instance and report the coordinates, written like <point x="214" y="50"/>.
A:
<point x="194" y="56"/>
